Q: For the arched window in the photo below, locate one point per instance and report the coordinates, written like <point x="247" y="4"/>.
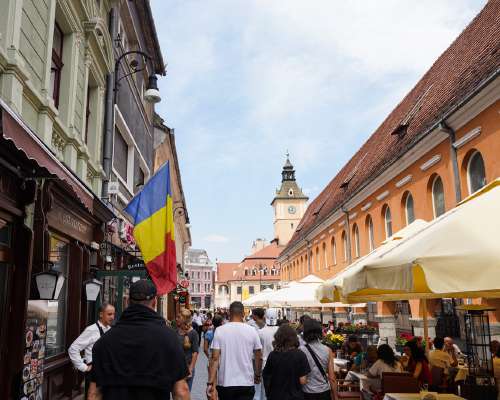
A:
<point x="334" y="251"/>
<point x="316" y="259"/>
<point x="476" y="174"/>
<point x="409" y="209"/>
<point x="438" y="197"/>
<point x="325" y="258"/>
<point x="387" y="221"/>
<point x="344" y="245"/>
<point x="369" y="231"/>
<point x="355" y="235"/>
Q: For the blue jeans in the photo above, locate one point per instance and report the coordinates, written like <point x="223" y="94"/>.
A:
<point x="260" y="393"/>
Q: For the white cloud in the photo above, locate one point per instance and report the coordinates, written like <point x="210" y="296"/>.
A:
<point x="215" y="238"/>
<point x="249" y="79"/>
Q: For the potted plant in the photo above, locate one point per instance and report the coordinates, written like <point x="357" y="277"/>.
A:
<point x="333" y="340"/>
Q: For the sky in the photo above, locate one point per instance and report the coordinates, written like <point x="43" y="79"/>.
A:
<point x="248" y="80"/>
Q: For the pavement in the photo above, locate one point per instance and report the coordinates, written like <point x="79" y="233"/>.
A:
<point x="198" y="392"/>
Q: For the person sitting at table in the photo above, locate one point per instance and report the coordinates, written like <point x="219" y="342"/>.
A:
<point x="440" y="358"/>
<point x="365" y="360"/>
<point x="451" y="348"/>
<point x="417" y="363"/>
<point x="352" y="347"/>
<point x="494" y="346"/>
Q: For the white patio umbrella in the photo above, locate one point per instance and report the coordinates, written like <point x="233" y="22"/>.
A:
<point x="259" y="299"/>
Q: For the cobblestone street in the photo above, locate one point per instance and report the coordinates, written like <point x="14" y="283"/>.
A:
<point x="200" y="378"/>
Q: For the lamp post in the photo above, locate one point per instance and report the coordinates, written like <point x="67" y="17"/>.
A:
<point x="152" y="95"/>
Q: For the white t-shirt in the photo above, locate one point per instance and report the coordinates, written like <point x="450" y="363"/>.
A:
<point x="237" y="342"/>
<point x="379" y="367"/>
<point x="266" y="336"/>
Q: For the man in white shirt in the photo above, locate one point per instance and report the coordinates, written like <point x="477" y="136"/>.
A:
<point x="91" y="334"/>
<point x="266" y="335"/>
<point x="234" y="347"/>
<point x="441" y="359"/>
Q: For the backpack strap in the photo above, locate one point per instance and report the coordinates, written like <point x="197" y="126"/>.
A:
<point x="316" y="361"/>
<point x="101" y="332"/>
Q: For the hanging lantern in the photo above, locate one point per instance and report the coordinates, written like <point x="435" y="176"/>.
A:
<point x="92" y="289"/>
<point x="49" y="284"/>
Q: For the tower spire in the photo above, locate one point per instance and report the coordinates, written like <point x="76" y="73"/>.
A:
<point x="288" y="173"/>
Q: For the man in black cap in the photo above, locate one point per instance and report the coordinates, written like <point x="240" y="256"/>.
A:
<point x="140" y="358"/>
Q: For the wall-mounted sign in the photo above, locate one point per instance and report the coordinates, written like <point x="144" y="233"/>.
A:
<point x="136" y="266"/>
<point x="34" y="352"/>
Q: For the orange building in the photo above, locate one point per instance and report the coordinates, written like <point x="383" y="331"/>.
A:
<point x="440" y="144"/>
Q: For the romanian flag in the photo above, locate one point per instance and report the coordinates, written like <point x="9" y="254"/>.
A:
<point x="152" y="211"/>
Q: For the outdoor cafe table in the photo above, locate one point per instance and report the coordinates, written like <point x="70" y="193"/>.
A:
<point x="364" y="381"/>
<point x="340" y="363"/>
<point x="416" y="396"/>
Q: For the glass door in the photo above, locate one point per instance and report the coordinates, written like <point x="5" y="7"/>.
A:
<point x="116" y="287"/>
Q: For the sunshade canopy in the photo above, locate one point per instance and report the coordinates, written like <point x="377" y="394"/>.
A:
<point x="455" y="255"/>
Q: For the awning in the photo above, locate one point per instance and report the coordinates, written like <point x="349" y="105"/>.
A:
<point x="16" y="131"/>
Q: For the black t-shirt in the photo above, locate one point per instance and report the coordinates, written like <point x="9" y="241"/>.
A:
<point x="139" y="359"/>
<point x="282" y="372"/>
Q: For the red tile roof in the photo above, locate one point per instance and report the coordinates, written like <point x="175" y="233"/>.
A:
<point x="471" y="60"/>
<point x="226" y="271"/>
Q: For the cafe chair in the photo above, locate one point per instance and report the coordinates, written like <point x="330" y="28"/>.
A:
<point x="346" y="390"/>
<point x="399" y="382"/>
<point x="439" y="383"/>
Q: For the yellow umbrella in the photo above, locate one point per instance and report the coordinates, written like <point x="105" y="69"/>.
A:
<point x="455" y="255"/>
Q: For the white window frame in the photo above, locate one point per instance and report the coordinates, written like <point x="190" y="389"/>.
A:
<point x="334" y="251"/>
<point x="433" y="197"/>
<point x="124" y="131"/>
<point x="371" y="238"/>
<point x="387" y="235"/>
<point x="357" y="247"/>
<point x="474" y="154"/>
<point x="344" y="243"/>
<point x="406" y="208"/>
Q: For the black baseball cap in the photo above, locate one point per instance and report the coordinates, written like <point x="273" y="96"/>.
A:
<point x="143" y="289"/>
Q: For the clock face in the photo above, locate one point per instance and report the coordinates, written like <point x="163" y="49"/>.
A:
<point x="292" y="209"/>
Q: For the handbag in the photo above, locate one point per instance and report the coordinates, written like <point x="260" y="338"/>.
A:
<point x="321" y="369"/>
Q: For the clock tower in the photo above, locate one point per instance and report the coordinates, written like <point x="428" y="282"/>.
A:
<point x="289" y="205"/>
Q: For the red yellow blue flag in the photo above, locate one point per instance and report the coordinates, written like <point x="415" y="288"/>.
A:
<point x="152" y="211"/>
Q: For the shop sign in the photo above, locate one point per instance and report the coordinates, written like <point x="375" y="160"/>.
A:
<point x="136" y="266"/>
<point x="34" y="353"/>
<point x="70" y="224"/>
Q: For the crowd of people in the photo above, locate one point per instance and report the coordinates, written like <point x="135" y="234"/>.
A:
<point x="263" y="357"/>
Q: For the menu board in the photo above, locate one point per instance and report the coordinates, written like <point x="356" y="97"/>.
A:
<point x="34" y="353"/>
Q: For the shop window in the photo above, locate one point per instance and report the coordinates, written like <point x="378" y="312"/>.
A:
<point x="355" y="234"/>
<point x="251" y="290"/>
<point x="438" y="197"/>
<point x="56" y="322"/>
<point x="409" y="209"/>
<point x="371" y="236"/>
<point x="238" y="290"/>
<point x="388" y="221"/>
<point x="334" y="252"/>
<point x="476" y="174"/>
<point x="57" y="64"/>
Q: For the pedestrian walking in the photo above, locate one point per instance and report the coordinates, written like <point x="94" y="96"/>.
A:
<point x="197" y="324"/>
<point x="258" y="318"/>
<point x="140" y="358"/>
<point x="320" y="359"/>
<point x="85" y="342"/>
<point x="235" y="349"/>
<point x="189" y="340"/>
<point x="209" y="334"/>
<point x="266" y="336"/>
<point x="286" y="367"/>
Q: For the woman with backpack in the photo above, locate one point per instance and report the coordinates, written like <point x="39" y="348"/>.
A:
<point x="320" y="359"/>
